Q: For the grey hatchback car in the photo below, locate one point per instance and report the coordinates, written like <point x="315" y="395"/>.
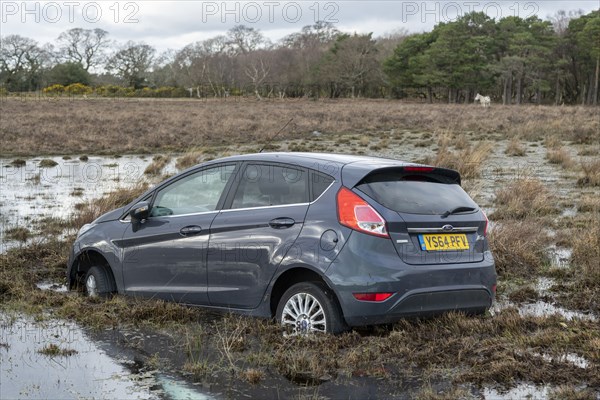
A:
<point x="321" y="242"/>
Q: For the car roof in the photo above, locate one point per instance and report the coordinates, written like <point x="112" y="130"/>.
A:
<point x="350" y="169"/>
<point x="308" y="159"/>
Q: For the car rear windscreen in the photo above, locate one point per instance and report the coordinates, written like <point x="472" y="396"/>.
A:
<point x="415" y="194"/>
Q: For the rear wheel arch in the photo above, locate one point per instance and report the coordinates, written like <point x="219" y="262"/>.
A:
<point x="86" y="260"/>
<point x="291" y="277"/>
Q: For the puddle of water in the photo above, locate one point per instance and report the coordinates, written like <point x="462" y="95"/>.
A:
<point x="569" y="212"/>
<point x="574" y="359"/>
<point x="543" y="284"/>
<point x="541" y="309"/>
<point x="30" y="193"/>
<point x="55" y="287"/>
<point x="522" y="391"/>
<point x="560" y="256"/>
<point x="89" y="373"/>
<point x="176" y="390"/>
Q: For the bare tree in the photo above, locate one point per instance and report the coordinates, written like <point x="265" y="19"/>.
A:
<point x="21" y="60"/>
<point x="243" y="40"/>
<point x="132" y="63"/>
<point x="257" y="70"/>
<point x="84" y="46"/>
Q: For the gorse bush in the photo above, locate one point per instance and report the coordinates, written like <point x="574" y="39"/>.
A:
<point x="54" y="89"/>
<point x="78" y="89"/>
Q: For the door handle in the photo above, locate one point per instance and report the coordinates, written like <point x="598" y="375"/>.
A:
<point x="281" y="223"/>
<point x="190" y="230"/>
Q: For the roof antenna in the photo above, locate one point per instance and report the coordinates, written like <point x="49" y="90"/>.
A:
<point x="275" y="135"/>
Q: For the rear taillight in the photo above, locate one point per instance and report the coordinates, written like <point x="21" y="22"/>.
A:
<point x="377" y="297"/>
<point x="485" y="228"/>
<point x="357" y="214"/>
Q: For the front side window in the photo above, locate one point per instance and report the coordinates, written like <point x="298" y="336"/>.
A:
<point x="270" y="185"/>
<point x="199" y="192"/>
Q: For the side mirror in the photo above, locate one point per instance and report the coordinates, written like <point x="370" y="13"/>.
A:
<point x="140" y="211"/>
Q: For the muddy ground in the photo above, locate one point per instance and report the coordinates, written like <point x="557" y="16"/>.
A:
<point x="541" y="339"/>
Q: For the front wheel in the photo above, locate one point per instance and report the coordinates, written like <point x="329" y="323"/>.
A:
<point x="97" y="283"/>
<point x="308" y="308"/>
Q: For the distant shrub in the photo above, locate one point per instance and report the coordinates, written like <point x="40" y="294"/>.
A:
<point x="108" y="90"/>
<point x="3" y="91"/>
<point x="145" y="92"/>
<point x="54" y="89"/>
<point x="78" y="89"/>
<point x="115" y="91"/>
<point x="169" y="91"/>
<point x="162" y="92"/>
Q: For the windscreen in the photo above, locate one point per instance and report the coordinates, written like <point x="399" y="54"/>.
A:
<point x="416" y="194"/>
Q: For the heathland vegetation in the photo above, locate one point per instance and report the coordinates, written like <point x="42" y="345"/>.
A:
<point x="514" y="60"/>
<point x="543" y="330"/>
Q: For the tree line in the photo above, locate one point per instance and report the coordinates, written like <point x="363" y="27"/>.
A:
<point x="513" y="60"/>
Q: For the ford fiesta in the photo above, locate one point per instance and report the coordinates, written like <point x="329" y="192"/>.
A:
<point x="321" y="242"/>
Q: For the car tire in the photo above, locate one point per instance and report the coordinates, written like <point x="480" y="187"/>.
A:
<point x="309" y="308"/>
<point x="97" y="283"/>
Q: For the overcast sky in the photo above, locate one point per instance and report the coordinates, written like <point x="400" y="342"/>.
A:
<point x="174" y="24"/>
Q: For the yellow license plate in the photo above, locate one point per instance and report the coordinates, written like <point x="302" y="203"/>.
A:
<point x="444" y="241"/>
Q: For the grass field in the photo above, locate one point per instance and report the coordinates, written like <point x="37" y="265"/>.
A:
<point x="38" y="126"/>
<point x="534" y="170"/>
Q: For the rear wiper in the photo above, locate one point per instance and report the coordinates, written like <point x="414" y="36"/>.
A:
<point x="457" y="210"/>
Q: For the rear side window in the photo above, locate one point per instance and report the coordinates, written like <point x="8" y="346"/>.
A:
<point x="320" y="183"/>
<point x="271" y="185"/>
<point x="415" y="194"/>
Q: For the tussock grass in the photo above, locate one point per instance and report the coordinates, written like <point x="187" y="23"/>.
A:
<point x="571" y="392"/>
<point x="157" y="165"/>
<point x="189" y="159"/>
<point x="18" y="162"/>
<point x="585" y="266"/>
<point x="47" y="163"/>
<point x="560" y="156"/>
<point x="468" y="161"/>
<point x="515" y="148"/>
<point x="519" y="248"/>
<point x="476" y="350"/>
<point x="252" y="375"/>
<point x="591" y="173"/>
<point x="589" y="203"/>
<point x="552" y="142"/>
<point x="22" y="267"/>
<point x="107" y="126"/>
<point x="89" y="211"/>
<point x="523" y="294"/>
<point x="53" y="350"/>
<point x="523" y="197"/>
<point x="18" y="233"/>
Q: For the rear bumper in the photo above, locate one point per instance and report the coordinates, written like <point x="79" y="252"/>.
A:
<point x="371" y="264"/>
<point x="423" y="305"/>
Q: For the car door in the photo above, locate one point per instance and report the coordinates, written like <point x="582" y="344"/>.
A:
<point x="262" y="217"/>
<point x="165" y="256"/>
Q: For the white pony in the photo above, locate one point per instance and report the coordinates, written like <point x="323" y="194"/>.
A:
<point x="484" y="100"/>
